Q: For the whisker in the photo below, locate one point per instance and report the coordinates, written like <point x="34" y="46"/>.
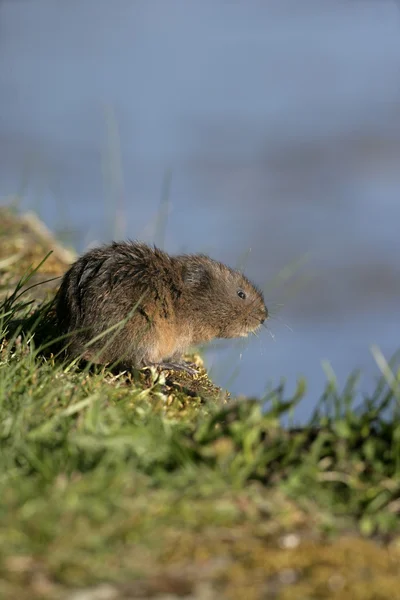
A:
<point x="277" y="318"/>
<point x="270" y="333"/>
<point x="272" y="308"/>
<point x="272" y="312"/>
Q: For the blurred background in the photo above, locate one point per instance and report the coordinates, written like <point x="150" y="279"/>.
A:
<point x="264" y="133"/>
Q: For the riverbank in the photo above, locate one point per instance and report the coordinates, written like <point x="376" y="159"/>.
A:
<point x="122" y="486"/>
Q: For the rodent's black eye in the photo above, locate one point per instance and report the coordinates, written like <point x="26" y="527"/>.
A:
<point x="241" y="294"/>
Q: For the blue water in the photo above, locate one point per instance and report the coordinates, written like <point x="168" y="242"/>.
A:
<point x="280" y="125"/>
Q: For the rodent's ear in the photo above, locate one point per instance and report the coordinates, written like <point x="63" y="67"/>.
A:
<point x="195" y="274"/>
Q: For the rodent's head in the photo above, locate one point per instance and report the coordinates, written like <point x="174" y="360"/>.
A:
<point x="221" y="297"/>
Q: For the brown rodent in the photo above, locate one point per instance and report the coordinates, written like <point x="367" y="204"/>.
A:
<point x="163" y="305"/>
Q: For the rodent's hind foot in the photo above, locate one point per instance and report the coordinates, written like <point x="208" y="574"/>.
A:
<point x="177" y="366"/>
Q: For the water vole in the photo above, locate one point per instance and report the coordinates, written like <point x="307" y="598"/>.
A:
<point x="163" y="305"/>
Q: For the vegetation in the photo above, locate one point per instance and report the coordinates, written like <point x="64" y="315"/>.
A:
<point x="141" y="485"/>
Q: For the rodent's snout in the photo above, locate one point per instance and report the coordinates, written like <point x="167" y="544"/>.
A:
<point x="265" y="316"/>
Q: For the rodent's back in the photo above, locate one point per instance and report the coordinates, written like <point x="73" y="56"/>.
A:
<point x="104" y="287"/>
<point x="168" y="303"/>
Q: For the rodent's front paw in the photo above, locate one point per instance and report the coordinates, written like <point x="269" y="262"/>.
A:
<point x="178" y="366"/>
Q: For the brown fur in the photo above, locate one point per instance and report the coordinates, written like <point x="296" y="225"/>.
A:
<point x="168" y="303"/>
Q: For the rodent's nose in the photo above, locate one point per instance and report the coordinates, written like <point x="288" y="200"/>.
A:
<point x="262" y="321"/>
